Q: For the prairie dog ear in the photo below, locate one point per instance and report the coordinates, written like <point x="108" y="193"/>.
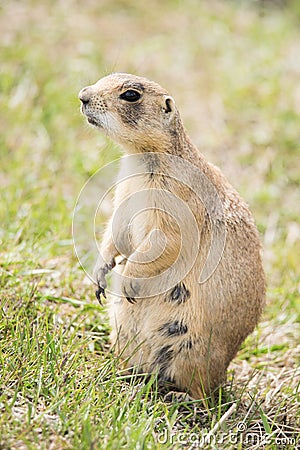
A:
<point x="168" y="106"/>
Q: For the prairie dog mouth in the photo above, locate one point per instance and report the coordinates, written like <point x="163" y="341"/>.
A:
<point x="92" y="121"/>
<point x="89" y="117"/>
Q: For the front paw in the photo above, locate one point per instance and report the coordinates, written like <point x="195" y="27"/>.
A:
<point x="130" y="289"/>
<point x="100" y="274"/>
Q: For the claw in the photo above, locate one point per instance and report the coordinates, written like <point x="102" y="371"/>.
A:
<point x="131" y="300"/>
<point x="100" y="291"/>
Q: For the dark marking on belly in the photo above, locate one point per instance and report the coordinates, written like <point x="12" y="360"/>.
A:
<point x="185" y="345"/>
<point x="164" y="355"/>
<point x="161" y="363"/>
<point x="173" y="328"/>
<point x="179" y="294"/>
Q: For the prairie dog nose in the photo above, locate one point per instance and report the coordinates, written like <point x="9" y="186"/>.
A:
<point x="85" y="94"/>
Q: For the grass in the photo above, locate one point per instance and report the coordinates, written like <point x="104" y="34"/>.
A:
<point x="233" y="69"/>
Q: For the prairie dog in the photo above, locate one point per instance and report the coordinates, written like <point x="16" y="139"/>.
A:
<point x="175" y="217"/>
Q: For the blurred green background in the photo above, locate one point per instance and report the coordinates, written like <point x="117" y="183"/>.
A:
<point x="233" y="68"/>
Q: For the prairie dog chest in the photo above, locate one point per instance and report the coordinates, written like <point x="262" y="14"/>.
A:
<point x="150" y="202"/>
<point x="133" y="205"/>
<point x="138" y="204"/>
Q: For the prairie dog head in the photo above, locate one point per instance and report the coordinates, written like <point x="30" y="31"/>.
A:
<point x="131" y="110"/>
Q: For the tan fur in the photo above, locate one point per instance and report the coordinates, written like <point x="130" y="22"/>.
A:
<point x="190" y="333"/>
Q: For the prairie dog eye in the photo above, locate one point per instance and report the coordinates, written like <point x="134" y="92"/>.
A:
<point x="130" y="96"/>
